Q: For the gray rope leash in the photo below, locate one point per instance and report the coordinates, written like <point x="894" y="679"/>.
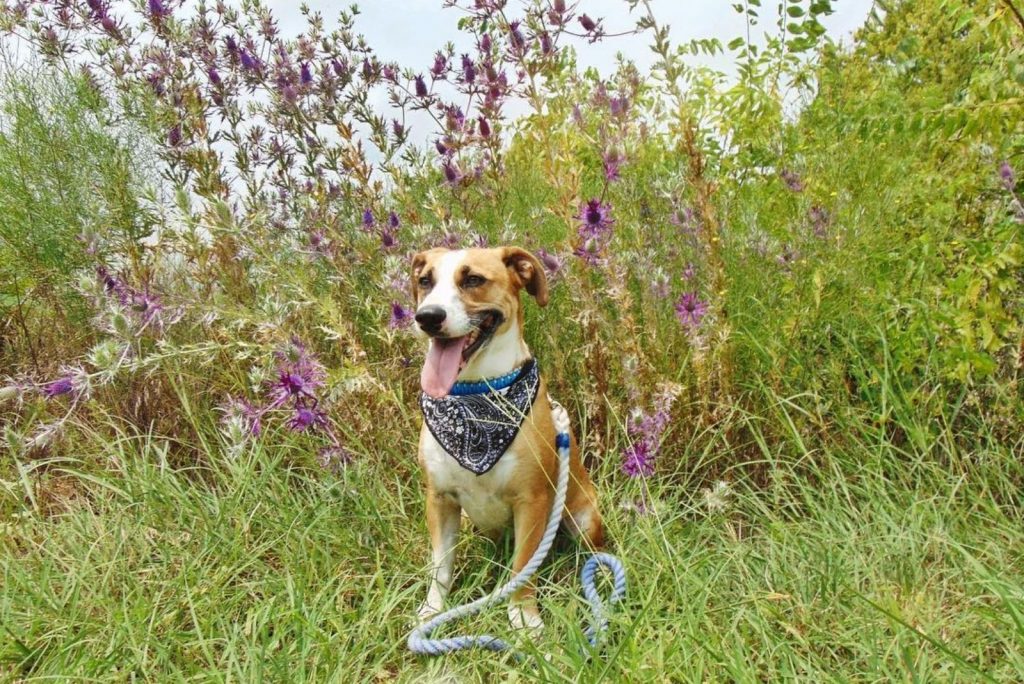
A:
<point x="419" y="640"/>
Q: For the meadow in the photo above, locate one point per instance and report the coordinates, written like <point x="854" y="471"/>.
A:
<point x="786" y="318"/>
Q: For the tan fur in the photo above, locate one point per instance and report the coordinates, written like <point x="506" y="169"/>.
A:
<point x="523" y="481"/>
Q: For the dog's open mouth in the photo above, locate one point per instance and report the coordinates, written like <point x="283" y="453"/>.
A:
<point x="449" y="355"/>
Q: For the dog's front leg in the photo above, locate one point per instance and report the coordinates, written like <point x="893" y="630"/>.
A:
<point x="443" y="514"/>
<point x="530" y="516"/>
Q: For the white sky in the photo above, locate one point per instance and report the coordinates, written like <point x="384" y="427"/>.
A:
<point x="409" y="32"/>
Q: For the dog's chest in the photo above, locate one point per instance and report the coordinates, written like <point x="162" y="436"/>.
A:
<point x="483" y="497"/>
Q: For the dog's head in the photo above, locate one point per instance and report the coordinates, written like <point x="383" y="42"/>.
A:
<point x="464" y="299"/>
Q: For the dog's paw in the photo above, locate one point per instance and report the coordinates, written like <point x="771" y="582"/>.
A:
<point x="525" y="616"/>
<point x="427" y="610"/>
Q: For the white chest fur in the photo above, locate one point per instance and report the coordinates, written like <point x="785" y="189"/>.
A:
<point x="483" y="497"/>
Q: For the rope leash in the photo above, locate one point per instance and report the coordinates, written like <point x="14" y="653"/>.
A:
<point x="419" y="641"/>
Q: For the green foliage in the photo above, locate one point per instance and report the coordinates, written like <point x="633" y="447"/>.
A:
<point x="67" y="176"/>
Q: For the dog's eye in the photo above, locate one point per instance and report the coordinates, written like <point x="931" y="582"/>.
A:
<point x="473" y="281"/>
<point x="425" y="282"/>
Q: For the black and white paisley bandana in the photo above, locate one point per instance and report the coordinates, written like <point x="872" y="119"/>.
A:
<point x="476" y="429"/>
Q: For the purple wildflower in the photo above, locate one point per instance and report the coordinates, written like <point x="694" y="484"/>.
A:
<point x="393" y="221"/>
<point x="306" y="417"/>
<point x="587" y="23"/>
<point x="442" y="149"/>
<point x="515" y="36"/>
<point x="158" y="10"/>
<point x="551" y="263"/>
<point x="618" y="106"/>
<point x="60" y="386"/>
<point x="213" y="76"/>
<point x="611" y="160"/>
<point x="638" y="459"/>
<point x="468" y="70"/>
<point x="249" y="61"/>
<point x="820" y="220"/>
<point x="400" y="316"/>
<point x="546" y="46"/>
<point x="792" y="180"/>
<point x="174" y="136"/>
<point x="485" y="43"/>
<point x="690" y="310"/>
<point x="299" y="374"/>
<point x="1008" y="176"/>
<point x="689" y="272"/>
<point x="595" y="217"/>
<point x="398" y="129"/>
<point x="452" y="174"/>
<point x="421" y="87"/>
<point x="388" y="238"/>
<point x="590" y="252"/>
<point x="305" y="74"/>
<point x="368" y="222"/>
<point x="439" y="66"/>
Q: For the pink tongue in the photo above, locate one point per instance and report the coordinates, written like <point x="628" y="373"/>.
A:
<point x="442" y="366"/>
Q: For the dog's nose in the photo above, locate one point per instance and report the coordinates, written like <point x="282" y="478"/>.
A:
<point x="431" y="317"/>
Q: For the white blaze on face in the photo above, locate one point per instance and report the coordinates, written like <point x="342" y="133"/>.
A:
<point x="445" y="294"/>
<point x="444" y="358"/>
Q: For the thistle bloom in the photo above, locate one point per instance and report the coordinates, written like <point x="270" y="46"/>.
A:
<point x="638" y="459"/>
<point x="306" y="417"/>
<point x="1008" y="176"/>
<point x="690" y="310"/>
<point x="58" y="387"/>
<point x="595" y="217"/>
<point x="611" y="160"/>
<point x="400" y="316"/>
<point x="792" y="180"/>
<point x="468" y="70"/>
<point x="299" y="374"/>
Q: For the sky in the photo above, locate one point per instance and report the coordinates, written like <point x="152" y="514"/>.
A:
<point x="409" y="32"/>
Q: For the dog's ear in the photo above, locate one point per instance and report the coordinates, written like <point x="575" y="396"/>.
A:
<point x="528" y="272"/>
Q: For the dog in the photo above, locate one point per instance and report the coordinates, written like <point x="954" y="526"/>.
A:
<point x="468" y="308"/>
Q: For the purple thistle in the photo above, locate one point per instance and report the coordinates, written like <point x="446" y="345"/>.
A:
<point x="1007" y="175"/>
<point x="400" y="316"/>
<point x="468" y="69"/>
<point x="485" y="128"/>
<point x="388" y="238"/>
<point x="305" y="74"/>
<point x="590" y="252"/>
<point x="612" y="160"/>
<point x="452" y="174"/>
<point x="792" y="180"/>
<point x="60" y="386"/>
<point x="157" y="9"/>
<point x="690" y="310"/>
<point x="595" y="217"/>
<point x="393" y="221"/>
<point x="551" y="263"/>
<point x="368" y="222"/>
<point x="305" y="418"/>
<point x="515" y="36"/>
<point x="421" y="87"/>
<point x="213" y="76"/>
<point x="546" y="47"/>
<point x="439" y="66"/>
<point x="249" y="61"/>
<point x="299" y="374"/>
<point x="638" y="459"/>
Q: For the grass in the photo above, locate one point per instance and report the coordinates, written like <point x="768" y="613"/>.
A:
<point x="121" y="566"/>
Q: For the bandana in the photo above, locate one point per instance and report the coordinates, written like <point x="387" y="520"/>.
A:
<point x="476" y="429"/>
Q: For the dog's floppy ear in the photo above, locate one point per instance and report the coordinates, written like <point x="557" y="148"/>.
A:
<point x="528" y="272"/>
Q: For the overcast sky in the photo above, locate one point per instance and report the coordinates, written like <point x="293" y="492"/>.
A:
<point x="410" y="31"/>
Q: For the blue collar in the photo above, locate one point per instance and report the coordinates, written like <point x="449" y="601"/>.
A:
<point x="462" y="389"/>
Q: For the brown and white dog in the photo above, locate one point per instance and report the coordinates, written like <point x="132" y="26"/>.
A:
<point x="468" y="306"/>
